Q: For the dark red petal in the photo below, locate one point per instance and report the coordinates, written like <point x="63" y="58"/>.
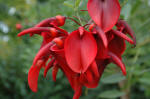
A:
<point x="94" y="69"/>
<point x="80" y="51"/>
<point x="102" y="36"/>
<point x="43" y="52"/>
<point x="92" y="76"/>
<point x="34" y="30"/>
<point x="54" y="21"/>
<point x="33" y="77"/>
<point x="102" y="50"/>
<point x="118" y="61"/>
<point x="77" y="93"/>
<point x="46" y="22"/>
<point x="55" y="71"/>
<point x="60" y="20"/>
<point x="105" y="13"/>
<point x="130" y="31"/>
<point x="89" y="76"/>
<point x="49" y="65"/>
<point x="122" y="35"/>
<point x="117" y="46"/>
<point x="62" y="30"/>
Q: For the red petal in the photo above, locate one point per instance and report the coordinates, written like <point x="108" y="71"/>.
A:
<point x="54" y="21"/>
<point x="34" y="30"/>
<point x="127" y="29"/>
<point x="89" y="76"/>
<point x="117" y="61"/>
<point x="94" y="69"/>
<point x="102" y="50"/>
<point x="33" y="77"/>
<point x="80" y="51"/>
<point x="92" y="75"/>
<point x="117" y="46"/>
<point x="54" y="72"/>
<point x="105" y="13"/>
<point x="122" y="35"/>
<point x="46" y="22"/>
<point x="43" y="52"/>
<point x="49" y="65"/>
<point x="102" y="36"/>
<point x="130" y="32"/>
<point x="77" y="93"/>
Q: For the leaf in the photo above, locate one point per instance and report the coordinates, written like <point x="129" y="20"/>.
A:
<point x="77" y="3"/>
<point x="126" y="11"/>
<point x="105" y="13"/>
<point x="145" y="81"/>
<point x="115" y="78"/>
<point x="111" y="94"/>
<point x="80" y="51"/>
<point x="69" y="3"/>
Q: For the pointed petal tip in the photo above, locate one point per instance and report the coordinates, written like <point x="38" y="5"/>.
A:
<point x="118" y="62"/>
<point x="124" y="73"/>
<point x="19" y="35"/>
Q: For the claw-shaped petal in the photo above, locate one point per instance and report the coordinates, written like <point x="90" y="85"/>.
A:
<point x="122" y="35"/>
<point x="117" y="61"/>
<point x="33" y="77"/>
<point x="49" y="65"/>
<point x="43" y="52"/>
<point x="102" y="36"/>
<point x="77" y="93"/>
<point x="54" y="21"/>
<point x="34" y="30"/>
<point x="55" y="71"/>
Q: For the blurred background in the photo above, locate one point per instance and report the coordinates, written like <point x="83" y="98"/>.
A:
<point x="16" y="54"/>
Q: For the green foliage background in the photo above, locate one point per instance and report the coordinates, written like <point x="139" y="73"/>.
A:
<point x="16" y="54"/>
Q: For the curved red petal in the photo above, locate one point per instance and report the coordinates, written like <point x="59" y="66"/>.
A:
<point x="94" y="69"/>
<point x="92" y="75"/>
<point x="117" y="46"/>
<point x="77" y="93"/>
<point x="118" y="61"/>
<point x="105" y="13"/>
<point x="102" y="35"/>
<point x="80" y="51"/>
<point x="102" y="50"/>
<point x="34" y="30"/>
<point x="122" y="35"/>
<point x="54" y="72"/>
<point x="33" y="77"/>
<point x="49" y="65"/>
<point x="46" y="22"/>
<point x="43" y="52"/>
<point x="127" y="29"/>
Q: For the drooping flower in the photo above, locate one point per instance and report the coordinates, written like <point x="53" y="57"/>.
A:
<point x="81" y="55"/>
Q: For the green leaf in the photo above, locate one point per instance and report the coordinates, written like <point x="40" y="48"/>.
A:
<point x="145" y="81"/>
<point x="77" y="3"/>
<point x="115" y="78"/>
<point x="111" y="94"/>
<point x="69" y="4"/>
<point x="126" y="11"/>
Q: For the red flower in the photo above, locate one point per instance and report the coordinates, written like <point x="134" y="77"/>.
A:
<point x="81" y="55"/>
<point x="18" y="26"/>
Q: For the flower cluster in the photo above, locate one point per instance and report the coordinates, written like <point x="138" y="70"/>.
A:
<point x="83" y="54"/>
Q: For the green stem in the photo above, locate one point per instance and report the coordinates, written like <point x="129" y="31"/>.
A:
<point x="77" y="12"/>
<point x="86" y="91"/>
<point x="124" y="3"/>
